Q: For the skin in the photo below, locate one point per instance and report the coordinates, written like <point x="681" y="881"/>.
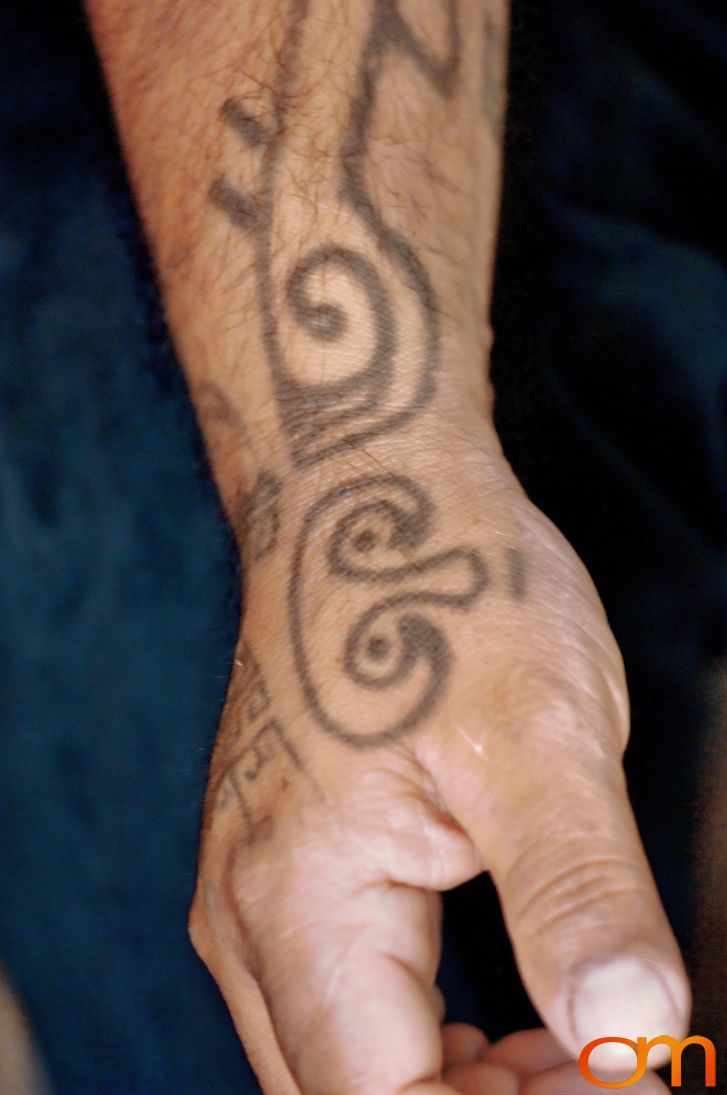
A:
<point x="426" y="686"/>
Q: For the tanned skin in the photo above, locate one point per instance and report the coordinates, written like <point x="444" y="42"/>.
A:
<point x="425" y="686"/>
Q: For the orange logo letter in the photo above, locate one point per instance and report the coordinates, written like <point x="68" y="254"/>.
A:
<point x="641" y="1048"/>
<point x="677" y="1048"/>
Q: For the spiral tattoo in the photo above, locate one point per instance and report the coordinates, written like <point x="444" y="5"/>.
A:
<point x="325" y="417"/>
<point x="395" y="654"/>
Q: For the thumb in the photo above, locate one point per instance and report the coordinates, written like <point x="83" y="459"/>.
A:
<point x="592" y="941"/>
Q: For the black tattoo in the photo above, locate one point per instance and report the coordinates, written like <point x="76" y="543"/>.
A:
<point x="245" y="768"/>
<point x="247" y="127"/>
<point x="239" y="208"/>
<point x="213" y="406"/>
<point x="248" y="690"/>
<point x="258" y="520"/>
<point x="257" y="516"/>
<point x="391" y="643"/>
<point x="517" y="574"/>
<point x="243" y="756"/>
<point x="330" y="416"/>
<point x="493" y="79"/>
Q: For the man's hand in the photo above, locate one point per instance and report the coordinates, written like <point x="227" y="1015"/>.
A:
<point x="463" y="709"/>
<point x="425" y="686"/>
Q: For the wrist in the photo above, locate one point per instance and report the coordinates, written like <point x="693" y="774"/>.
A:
<point x="456" y="459"/>
<point x="255" y="449"/>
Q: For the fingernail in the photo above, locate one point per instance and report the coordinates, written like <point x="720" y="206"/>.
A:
<point x="624" y="998"/>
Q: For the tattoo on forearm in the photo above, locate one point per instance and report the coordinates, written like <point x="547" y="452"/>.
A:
<point x="384" y="594"/>
<point x="247" y="127"/>
<point x="258" y="517"/>
<point x="216" y="412"/>
<point x="239" y="208"/>
<point x="329" y="416"/>
<point x="371" y="532"/>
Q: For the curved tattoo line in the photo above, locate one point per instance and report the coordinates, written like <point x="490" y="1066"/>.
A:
<point x="408" y="515"/>
<point x="311" y="410"/>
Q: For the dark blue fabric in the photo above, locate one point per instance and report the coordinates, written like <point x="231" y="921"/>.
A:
<point x="118" y="580"/>
<point x="118" y="606"/>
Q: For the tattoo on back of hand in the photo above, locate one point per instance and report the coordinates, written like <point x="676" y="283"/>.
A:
<point x="493" y="79"/>
<point x="328" y="416"/>
<point x="392" y="667"/>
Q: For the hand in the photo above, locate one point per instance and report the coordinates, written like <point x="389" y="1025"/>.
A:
<point x="527" y="1063"/>
<point x="426" y="688"/>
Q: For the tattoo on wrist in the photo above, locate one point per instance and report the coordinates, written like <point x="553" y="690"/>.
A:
<point x="215" y="410"/>
<point x="394" y="659"/>
<point x="256" y="513"/>
<point x="258" y="517"/>
<point x="244" y="769"/>
<point x="322" y="418"/>
<point x="371" y="532"/>
<point x="257" y="746"/>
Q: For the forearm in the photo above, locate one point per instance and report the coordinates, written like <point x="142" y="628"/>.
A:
<point x="319" y="183"/>
<point x="426" y="685"/>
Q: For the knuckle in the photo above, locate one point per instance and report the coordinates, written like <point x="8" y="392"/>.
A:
<point x="570" y="896"/>
<point x="538" y="706"/>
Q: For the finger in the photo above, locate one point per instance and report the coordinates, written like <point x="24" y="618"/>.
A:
<point x="479" y="1079"/>
<point x="346" y="968"/>
<point x="567" y="1080"/>
<point x="438" y="1003"/>
<point x="462" y="1044"/>
<point x="249" y="1013"/>
<point x="526" y="1052"/>
<point x="592" y="941"/>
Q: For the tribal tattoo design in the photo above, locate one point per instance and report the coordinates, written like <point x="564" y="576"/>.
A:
<point x="258" y="751"/>
<point x="258" y="517"/>
<point x="372" y="305"/>
<point x="395" y="656"/>
<point x="336" y="297"/>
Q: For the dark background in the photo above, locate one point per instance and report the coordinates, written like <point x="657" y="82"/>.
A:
<point x="118" y="579"/>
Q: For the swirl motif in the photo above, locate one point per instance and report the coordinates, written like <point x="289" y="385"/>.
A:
<point x="394" y="646"/>
<point x="312" y="410"/>
<point x="332" y="415"/>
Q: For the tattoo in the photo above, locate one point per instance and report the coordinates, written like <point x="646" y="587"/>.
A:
<point x="517" y="574"/>
<point x="247" y="127"/>
<point x="239" y="208"/>
<point x="259" y="516"/>
<point x="392" y="647"/>
<point x="245" y="769"/>
<point x="214" y="408"/>
<point x="493" y="79"/>
<point x="257" y="519"/>
<point x="248" y="690"/>
<point x="326" y="417"/>
<point x="245" y="756"/>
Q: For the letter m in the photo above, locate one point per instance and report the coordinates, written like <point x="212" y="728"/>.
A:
<point x="677" y="1048"/>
